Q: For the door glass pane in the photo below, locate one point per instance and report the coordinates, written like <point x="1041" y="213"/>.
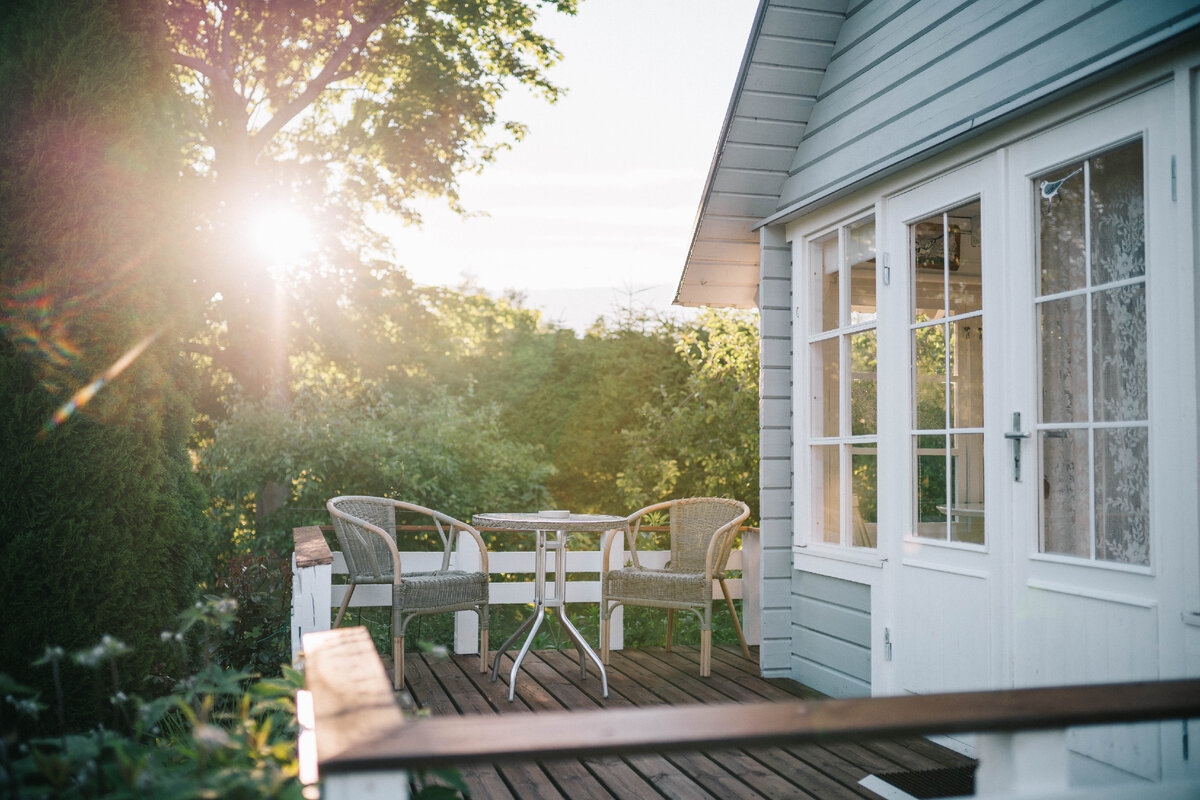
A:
<point x="929" y="352"/>
<point x="966" y="371"/>
<point x="1117" y="215"/>
<point x="928" y="257"/>
<point x="864" y="506"/>
<point x="1119" y="353"/>
<point x="964" y="237"/>
<point x="1066" y="492"/>
<point x="1061" y="240"/>
<point x="863" y="384"/>
<point x="1122" y="495"/>
<point x="966" y="488"/>
<point x="825" y="262"/>
<point x="825" y="387"/>
<point x="827" y="495"/>
<point x="860" y="255"/>
<point x="1064" y="360"/>
<point x="932" y="497"/>
<point x="1095" y="477"/>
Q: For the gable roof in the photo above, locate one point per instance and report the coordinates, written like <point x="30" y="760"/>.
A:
<point x="832" y="94"/>
<point x="791" y="43"/>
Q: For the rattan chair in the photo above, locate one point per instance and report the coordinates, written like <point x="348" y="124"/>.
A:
<point x="366" y="533"/>
<point x="702" y="535"/>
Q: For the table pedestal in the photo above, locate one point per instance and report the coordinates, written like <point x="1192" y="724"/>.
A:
<point x="542" y="603"/>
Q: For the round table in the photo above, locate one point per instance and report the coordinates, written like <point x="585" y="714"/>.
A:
<point x="558" y="525"/>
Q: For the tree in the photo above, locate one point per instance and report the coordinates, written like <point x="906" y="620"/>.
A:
<point x="339" y="107"/>
<point x="701" y="438"/>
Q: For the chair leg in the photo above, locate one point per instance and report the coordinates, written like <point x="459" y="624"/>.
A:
<point x="670" y="626"/>
<point x="345" y="604"/>
<point x="737" y="626"/>
<point x="604" y="643"/>
<point x="398" y="661"/>
<point x="483" y="648"/>
<point x="705" y="653"/>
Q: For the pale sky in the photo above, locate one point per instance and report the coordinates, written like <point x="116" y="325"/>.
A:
<point x="599" y="199"/>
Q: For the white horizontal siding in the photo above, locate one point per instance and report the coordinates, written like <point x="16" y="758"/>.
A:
<point x="832" y="634"/>
<point x="775" y="451"/>
<point x="937" y="69"/>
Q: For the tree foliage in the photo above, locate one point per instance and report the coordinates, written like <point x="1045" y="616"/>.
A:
<point x="336" y="107"/>
<point x="341" y="437"/>
<point x="700" y="437"/>
<point x="101" y="527"/>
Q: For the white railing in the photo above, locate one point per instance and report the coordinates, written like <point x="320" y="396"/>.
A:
<point x="314" y="595"/>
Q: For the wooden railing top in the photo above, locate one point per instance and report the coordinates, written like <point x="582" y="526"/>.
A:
<point x="355" y="732"/>
<point x="311" y="549"/>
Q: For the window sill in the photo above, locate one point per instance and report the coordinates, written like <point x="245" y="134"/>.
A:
<point x="862" y="556"/>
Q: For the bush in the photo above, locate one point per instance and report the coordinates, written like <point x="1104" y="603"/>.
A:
<point x="101" y="526"/>
<point x="221" y="733"/>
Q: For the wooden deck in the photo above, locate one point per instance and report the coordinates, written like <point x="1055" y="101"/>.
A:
<point x="550" y="680"/>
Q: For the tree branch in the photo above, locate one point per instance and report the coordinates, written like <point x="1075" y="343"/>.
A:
<point x="357" y="38"/>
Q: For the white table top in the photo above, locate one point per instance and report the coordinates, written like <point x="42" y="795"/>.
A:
<point x="536" y="522"/>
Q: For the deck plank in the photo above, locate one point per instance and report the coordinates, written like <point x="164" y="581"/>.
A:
<point x="550" y="681"/>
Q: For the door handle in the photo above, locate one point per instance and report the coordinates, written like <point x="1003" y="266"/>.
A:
<point x="1017" y="437"/>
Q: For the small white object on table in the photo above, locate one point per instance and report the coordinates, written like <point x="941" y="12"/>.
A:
<point x="558" y="524"/>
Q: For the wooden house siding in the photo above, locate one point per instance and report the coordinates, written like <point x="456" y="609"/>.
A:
<point x="908" y="77"/>
<point x="775" y="453"/>
<point x="832" y="628"/>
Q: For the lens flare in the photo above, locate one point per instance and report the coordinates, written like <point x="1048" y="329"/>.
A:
<point x="85" y="394"/>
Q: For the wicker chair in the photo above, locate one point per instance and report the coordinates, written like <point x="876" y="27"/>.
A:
<point x="366" y="532"/>
<point x="702" y="534"/>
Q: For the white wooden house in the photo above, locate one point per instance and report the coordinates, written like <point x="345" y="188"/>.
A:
<point x="972" y="230"/>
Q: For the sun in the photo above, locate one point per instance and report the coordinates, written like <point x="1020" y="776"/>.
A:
<point x="282" y="236"/>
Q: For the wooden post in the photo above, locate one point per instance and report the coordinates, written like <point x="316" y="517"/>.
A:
<point x="466" y="623"/>
<point x="751" y="586"/>
<point x="616" y="632"/>
<point x="312" y="580"/>
<point x="1022" y="764"/>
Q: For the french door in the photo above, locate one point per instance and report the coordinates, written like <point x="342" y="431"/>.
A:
<point x="1037" y="441"/>
<point x="1108" y="433"/>
<point x="941" y="339"/>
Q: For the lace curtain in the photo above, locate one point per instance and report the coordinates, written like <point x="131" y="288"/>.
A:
<point x="1092" y="306"/>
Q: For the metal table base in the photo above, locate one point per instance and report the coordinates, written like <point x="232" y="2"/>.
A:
<point x="543" y="603"/>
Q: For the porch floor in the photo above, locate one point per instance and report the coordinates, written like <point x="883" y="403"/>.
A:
<point x="549" y="680"/>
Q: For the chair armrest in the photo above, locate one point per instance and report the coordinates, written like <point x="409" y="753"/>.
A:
<point x="720" y="545"/>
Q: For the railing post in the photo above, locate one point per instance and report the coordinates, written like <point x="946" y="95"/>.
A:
<point x="1022" y="764"/>
<point x="312" y="584"/>
<point x="466" y="623"/>
<point x="616" y="633"/>
<point x="751" y="586"/>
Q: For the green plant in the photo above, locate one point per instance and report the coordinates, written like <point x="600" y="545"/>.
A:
<point x="221" y="733"/>
<point x="258" y="637"/>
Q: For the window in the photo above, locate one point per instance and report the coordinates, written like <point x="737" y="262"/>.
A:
<point x="1093" y="430"/>
<point x="946" y="329"/>
<point x="843" y="431"/>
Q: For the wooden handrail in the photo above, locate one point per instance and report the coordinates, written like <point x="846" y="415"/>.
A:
<point x="440" y="741"/>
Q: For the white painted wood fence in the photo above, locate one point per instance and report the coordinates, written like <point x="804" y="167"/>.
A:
<point x="314" y="594"/>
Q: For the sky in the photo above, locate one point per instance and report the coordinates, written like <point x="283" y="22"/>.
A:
<point x="594" y="208"/>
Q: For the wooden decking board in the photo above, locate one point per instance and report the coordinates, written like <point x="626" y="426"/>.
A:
<point x="485" y="779"/>
<point x="550" y="681"/>
<point x="666" y="777"/>
<point x="720" y="779"/>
